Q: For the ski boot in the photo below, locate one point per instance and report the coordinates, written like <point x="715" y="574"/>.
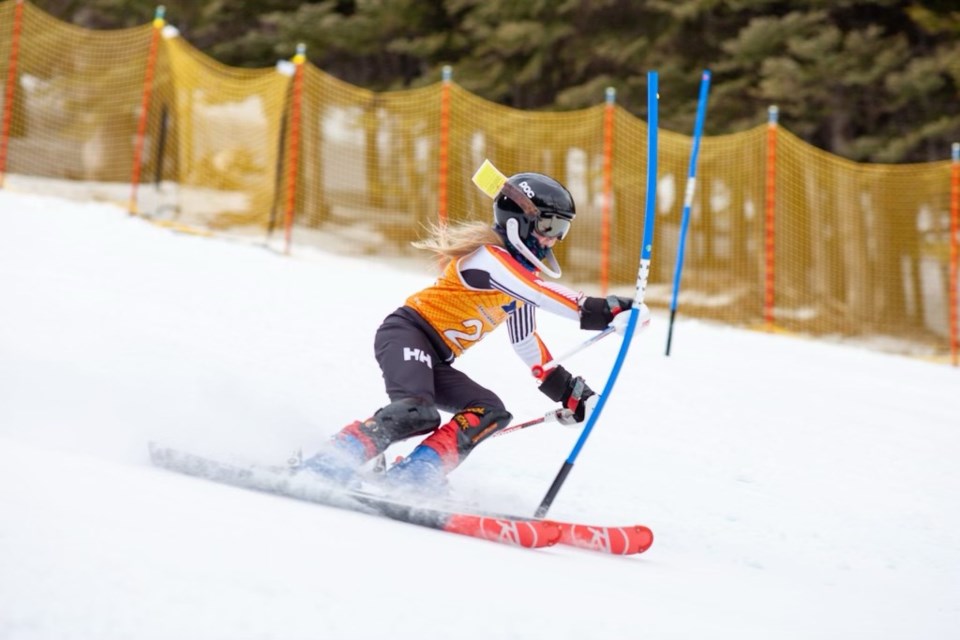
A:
<point x="425" y="469"/>
<point x="421" y="472"/>
<point x="340" y="459"/>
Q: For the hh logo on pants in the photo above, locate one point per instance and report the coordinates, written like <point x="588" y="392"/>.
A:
<point x="417" y="354"/>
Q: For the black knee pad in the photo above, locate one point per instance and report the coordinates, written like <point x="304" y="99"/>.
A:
<point x="403" y="419"/>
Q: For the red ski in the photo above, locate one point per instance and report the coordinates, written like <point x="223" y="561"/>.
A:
<point x="621" y="541"/>
<point x="513" y="530"/>
<point x="519" y="532"/>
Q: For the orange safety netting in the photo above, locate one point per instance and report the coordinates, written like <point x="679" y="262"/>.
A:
<point x="854" y="249"/>
<point x="76" y="95"/>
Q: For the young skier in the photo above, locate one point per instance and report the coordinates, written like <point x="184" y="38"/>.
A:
<point x="490" y="277"/>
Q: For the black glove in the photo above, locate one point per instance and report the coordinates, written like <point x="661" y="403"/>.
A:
<point x="572" y="392"/>
<point x="597" y="313"/>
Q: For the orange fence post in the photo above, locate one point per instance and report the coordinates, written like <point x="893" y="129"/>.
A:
<point x="444" y="145"/>
<point x="771" y="197"/>
<point x="954" y="241"/>
<point x="607" y="200"/>
<point x="11" y="87"/>
<point x="293" y="155"/>
<point x="158" y="24"/>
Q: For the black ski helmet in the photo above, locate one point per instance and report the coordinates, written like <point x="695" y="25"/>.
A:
<point x="535" y="201"/>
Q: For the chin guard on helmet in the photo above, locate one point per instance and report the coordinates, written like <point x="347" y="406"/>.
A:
<point x="516" y="244"/>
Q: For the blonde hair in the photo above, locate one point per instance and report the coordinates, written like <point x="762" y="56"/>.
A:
<point x="449" y="242"/>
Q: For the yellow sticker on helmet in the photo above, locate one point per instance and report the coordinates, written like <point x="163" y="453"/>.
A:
<point x="489" y="179"/>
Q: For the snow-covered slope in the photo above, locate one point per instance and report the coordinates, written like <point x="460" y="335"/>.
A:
<point x="796" y="489"/>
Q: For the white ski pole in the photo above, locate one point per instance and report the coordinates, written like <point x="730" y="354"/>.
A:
<point x="538" y="369"/>
<point x="557" y="415"/>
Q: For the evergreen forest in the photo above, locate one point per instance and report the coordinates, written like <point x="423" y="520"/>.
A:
<point x="868" y="81"/>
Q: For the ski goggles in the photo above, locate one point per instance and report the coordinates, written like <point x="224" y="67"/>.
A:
<point x="552" y="226"/>
<point x="547" y="225"/>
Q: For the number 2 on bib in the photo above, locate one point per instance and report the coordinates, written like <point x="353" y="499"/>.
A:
<point x="459" y="337"/>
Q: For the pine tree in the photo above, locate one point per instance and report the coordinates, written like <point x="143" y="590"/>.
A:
<point x="875" y="80"/>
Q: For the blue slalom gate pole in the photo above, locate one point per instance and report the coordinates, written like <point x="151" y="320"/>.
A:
<point x="646" y="247"/>
<point x="688" y="198"/>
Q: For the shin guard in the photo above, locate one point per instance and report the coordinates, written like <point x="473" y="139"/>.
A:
<point x="456" y="439"/>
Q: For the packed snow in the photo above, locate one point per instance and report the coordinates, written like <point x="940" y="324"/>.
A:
<point x="796" y="489"/>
